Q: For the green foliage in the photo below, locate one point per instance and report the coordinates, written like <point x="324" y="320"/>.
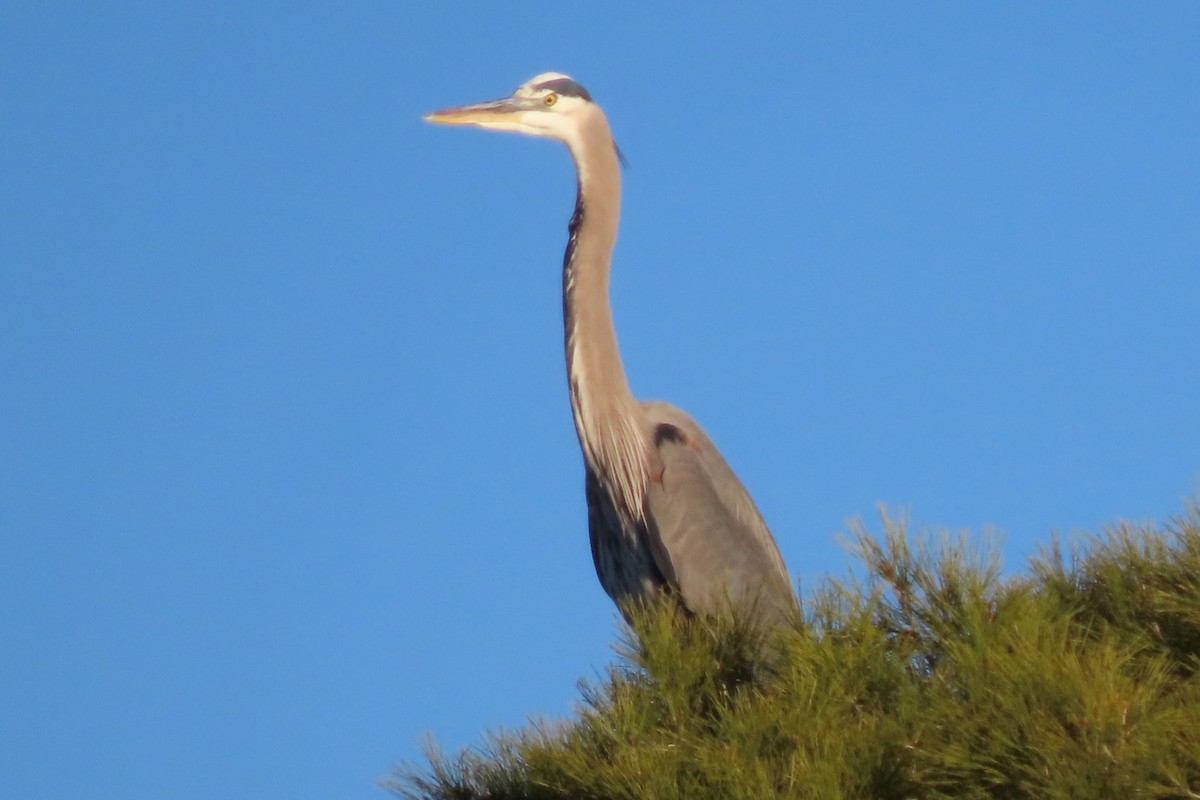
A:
<point x="932" y="677"/>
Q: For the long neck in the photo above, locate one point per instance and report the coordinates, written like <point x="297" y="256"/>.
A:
<point x="608" y="420"/>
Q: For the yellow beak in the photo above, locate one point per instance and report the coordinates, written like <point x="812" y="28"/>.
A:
<point x="479" y="113"/>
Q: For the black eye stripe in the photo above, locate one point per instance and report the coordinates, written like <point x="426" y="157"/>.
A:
<point x="566" y="87"/>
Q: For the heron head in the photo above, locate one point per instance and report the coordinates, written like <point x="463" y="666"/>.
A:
<point x="551" y="105"/>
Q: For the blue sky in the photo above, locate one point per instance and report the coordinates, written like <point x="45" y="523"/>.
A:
<point x="288" y="476"/>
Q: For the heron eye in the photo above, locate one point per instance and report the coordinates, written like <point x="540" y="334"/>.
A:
<point x="550" y="99"/>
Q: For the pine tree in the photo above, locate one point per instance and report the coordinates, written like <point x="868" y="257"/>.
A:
<point x="931" y="677"/>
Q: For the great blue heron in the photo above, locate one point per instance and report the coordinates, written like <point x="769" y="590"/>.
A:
<point x="665" y="512"/>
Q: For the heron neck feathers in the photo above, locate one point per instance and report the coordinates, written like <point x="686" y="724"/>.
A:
<point x="608" y="420"/>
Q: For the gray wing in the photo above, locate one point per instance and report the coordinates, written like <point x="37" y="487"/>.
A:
<point x="706" y="535"/>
